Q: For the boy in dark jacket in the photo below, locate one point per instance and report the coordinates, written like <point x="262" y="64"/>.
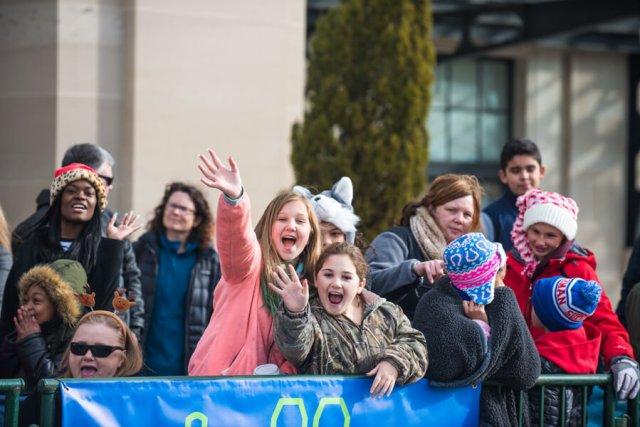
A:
<point x="475" y="332"/>
<point x="521" y="170"/>
<point x="559" y="306"/>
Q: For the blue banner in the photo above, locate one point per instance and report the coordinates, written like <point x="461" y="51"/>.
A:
<point x="297" y="401"/>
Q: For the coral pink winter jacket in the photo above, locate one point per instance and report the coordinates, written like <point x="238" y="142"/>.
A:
<point x="240" y="335"/>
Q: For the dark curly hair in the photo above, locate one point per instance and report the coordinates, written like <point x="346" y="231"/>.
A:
<point x="203" y="233"/>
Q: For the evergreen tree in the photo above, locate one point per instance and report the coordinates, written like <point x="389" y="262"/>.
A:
<point x="368" y="91"/>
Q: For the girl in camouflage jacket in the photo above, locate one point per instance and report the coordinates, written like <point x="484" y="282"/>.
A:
<point x="346" y="329"/>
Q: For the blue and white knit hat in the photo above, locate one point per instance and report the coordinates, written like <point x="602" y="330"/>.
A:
<point x="334" y="206"/>
<point x="472" y="263"/>
<point x="562" y="303"/>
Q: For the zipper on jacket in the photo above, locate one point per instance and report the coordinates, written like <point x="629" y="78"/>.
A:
<point x="196" y="269"/>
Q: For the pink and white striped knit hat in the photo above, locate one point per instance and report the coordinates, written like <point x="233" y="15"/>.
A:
<point x="547" y="207"/>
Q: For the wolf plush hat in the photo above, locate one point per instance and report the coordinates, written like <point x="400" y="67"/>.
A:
<point x="334" y="206"/>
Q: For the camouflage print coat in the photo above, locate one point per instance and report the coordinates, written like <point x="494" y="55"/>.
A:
<point x="319" y="343"/>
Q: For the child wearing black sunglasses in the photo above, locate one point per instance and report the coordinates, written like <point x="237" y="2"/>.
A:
<point x="103" y="346"/>
<point x="44" y="322"/>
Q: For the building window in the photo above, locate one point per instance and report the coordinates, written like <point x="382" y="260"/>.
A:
<point x="470" y="117"/>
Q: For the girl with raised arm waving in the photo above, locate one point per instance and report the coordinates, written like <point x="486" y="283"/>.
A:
<point x="240" y="335"/>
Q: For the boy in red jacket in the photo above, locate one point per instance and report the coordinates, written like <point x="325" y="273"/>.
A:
<point x="559" y="307"/>
<point x="543" y="237"/>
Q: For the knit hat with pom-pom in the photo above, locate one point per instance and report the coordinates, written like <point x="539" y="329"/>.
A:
<point x="537" y="206"/>
<point x="562" y="303"/>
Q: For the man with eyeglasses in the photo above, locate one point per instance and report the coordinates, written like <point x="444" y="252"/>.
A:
<point x="102" y="162"/>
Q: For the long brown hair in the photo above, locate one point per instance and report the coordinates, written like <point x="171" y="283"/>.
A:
<point x="444" y="189"/>
<point x="5" y="236"/>
<point x="270" y="257"/>
<point x="133" y="355"/>
<point x="203" y="233"/>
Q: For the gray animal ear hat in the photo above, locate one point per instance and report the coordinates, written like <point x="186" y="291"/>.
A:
<point x="334" y="206"/>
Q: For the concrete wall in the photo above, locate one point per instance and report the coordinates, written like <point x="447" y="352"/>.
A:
<point x="225" y="74"/>
<point x="543" y="112"/>
<point x="60" y="84"/>
<point x="598" y="150"/>
<point x="153" y="81"/>
<point x="90" y="61"/>
<point x="576" y="111"/>
<point x="28" y="47"/>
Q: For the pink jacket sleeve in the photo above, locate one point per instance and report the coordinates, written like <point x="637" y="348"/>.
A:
<point x="236" y="241"/>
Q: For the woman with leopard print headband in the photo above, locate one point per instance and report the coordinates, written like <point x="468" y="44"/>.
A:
<point x="71" y="230"/>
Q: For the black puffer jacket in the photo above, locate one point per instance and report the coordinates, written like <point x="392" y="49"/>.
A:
<point x="552" y="395"/>
<point x="38" y="355"/>
<point x="130" y="282"/>
<point x="103" y="277"/>
<point x="130" y="275"/>
<point x="204" y="278"/>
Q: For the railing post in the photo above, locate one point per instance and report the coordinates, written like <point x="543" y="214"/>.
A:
<point x="47" y="390"/>
<point x="622" y="421"/>
<point x="585" y="405"/>
<point x="562" y="381"/>
<point x="541" y="409"/>
<point x="563" y="406"/>
<point x="632" y="409"/>
<point x="609" y="410"/>
<point x="12" y="390"/>
<point x="521" y="398"/>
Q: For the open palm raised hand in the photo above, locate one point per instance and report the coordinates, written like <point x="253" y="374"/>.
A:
<point x="217" y="175"/>
<point x="123" y="230"/>
<point x="294" y="294"/>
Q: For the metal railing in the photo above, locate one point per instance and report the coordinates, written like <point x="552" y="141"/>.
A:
<point x="584" y="382"/>
<point x="48" y="388"/>
<point x="11" y="390"/>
